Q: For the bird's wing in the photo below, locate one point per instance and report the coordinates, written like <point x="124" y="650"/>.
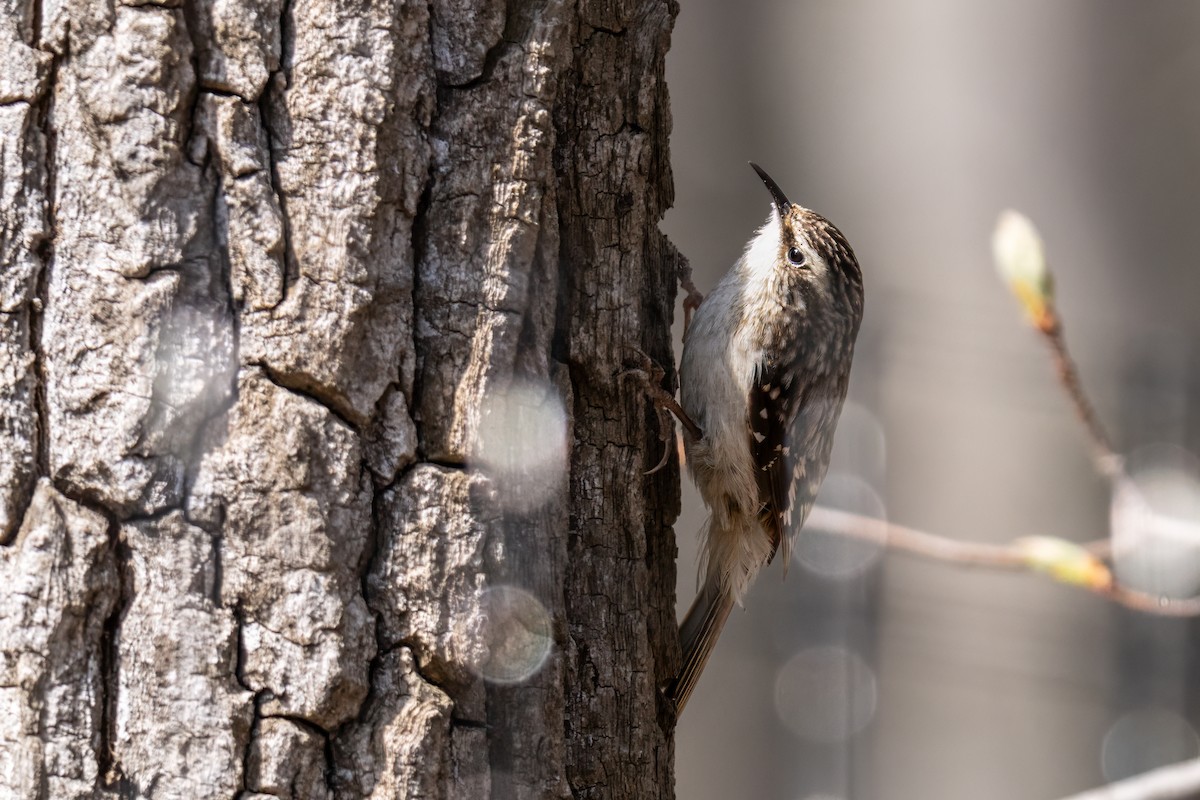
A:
<point x="791" y="420"/>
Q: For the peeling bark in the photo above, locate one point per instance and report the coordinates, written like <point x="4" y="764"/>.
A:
<point x="316" y="477"/>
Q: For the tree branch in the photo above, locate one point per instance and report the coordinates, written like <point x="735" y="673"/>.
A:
<point x="1173" y="782"/>
<point x="1063" y="561"/>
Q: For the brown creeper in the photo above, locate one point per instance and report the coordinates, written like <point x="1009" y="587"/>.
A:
<point x="765" y="366"/>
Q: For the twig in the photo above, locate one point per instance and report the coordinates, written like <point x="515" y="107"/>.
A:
<point x="992" y="556"/>
<point x="1107" y="461"/>
<point x="1151" y="604"/>
<point x="1021" y="262"/>
<point x="910" y="540"/>
<point x="1173" y="782"/>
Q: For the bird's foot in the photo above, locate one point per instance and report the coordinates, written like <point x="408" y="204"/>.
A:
<point x="650" y="375"/>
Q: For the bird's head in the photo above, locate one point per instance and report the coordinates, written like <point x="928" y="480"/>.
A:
<point x="808" y="256"/>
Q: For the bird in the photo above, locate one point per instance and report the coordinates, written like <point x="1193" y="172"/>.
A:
<point x="763" y="376"/>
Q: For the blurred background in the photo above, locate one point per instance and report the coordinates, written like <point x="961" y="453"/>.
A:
<point x="911" y="124"/>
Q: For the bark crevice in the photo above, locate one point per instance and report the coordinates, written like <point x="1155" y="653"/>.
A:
<point x="291" y="267"/>
<point x="301" y="387"/>
<point x="108" y="764"/>
<point x="44" y="252"/>
<point x="277" y="82"/>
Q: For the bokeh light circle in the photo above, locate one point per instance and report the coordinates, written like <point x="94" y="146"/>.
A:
<point x="825" y="694"/>
<point x="834" y="555"/>
<point x="517" y="634"/>
<point x="521" y="444"/>
<point x="1155" y="519"/>
<point x="1145" y="739"/>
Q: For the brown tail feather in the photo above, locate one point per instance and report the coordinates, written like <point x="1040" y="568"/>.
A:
<point x="698" y="634"/>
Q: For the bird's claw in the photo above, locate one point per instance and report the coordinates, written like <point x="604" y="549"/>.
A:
<point x="650" y="375"/>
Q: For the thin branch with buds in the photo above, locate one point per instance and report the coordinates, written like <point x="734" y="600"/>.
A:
<point x="1092" y="576"/>
<point x="1017" y="249"/>
<point x="1019" y="257"/>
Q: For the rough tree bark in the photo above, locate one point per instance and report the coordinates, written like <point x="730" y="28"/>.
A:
<point x="310" y="440"/>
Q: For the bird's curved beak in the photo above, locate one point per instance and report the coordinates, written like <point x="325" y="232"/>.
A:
<point x="781" y="202"/>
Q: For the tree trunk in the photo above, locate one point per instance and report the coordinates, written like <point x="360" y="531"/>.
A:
<point x="316" y="480"/>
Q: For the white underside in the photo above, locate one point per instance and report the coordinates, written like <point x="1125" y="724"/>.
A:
<point x="721" y="357"/>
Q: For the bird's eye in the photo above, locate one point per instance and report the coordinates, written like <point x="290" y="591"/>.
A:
<point x="796" y="256"/>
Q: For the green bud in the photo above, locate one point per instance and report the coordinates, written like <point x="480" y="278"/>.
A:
<point x="1021" y="262"/>
<point x="1064" y="561"/>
